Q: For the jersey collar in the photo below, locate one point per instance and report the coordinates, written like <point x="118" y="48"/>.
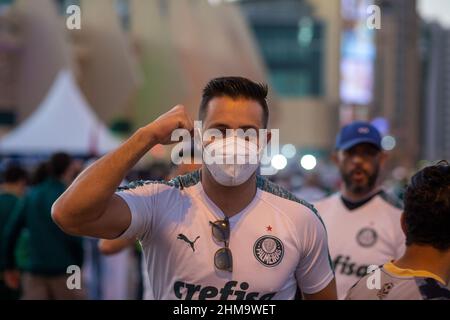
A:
<point x="215" y="210"/>
<point x="394" y="270"/>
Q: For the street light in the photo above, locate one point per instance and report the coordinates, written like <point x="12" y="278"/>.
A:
<point x="308" y="162"/>
<point x="279" y="162"/>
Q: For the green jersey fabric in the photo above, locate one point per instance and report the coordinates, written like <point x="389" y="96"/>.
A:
<point x="8" y="202"/>
<point x="50" y="250"/>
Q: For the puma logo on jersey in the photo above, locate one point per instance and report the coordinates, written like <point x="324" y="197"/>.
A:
<point x="189" y="242"/>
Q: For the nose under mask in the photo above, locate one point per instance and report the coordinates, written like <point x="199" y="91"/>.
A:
<point x="231" y="161"/>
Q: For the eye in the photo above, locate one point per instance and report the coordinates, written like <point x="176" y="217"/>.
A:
<point x="223" y="131"/>
<point x="250" y="134"/>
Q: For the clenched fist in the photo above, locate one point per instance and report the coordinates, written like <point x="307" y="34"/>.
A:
<point x="176" y="118"/>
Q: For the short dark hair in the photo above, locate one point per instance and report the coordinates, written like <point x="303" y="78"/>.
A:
<point x="58" y="164"/>
<point x="427" y="207"/>
<point x="235" y="87"/>
<point x="15" y="173"/>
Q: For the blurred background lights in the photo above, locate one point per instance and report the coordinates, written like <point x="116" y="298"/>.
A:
<point x="214" y="2"/>
<point x="382" y="124"/>
<point x="308" y="162"/>
<point x="279" y="162"/>
<point x="289" y="151"/>
<point x="388" y="143"/>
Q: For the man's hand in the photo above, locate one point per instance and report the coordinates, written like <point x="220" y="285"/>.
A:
<point x="12" y="279"/>
<point x="176" y="118"/>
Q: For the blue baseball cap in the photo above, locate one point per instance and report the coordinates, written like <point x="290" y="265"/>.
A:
<point x="356" y="133"/>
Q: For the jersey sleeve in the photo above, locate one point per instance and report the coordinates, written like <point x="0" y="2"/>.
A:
<point x="144" y="201"/>
<point x="314" y="271"/>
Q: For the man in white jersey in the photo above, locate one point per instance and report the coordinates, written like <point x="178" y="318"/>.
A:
<point x="219" y="233"/>
<point x="362" y="221"/>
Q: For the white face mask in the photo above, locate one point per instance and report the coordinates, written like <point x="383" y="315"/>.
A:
<point x="231" y="161"/>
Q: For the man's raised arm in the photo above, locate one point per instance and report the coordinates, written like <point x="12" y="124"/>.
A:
<point x="89" y="207"/>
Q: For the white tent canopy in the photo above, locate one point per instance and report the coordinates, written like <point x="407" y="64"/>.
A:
<point x="63" y="122"/>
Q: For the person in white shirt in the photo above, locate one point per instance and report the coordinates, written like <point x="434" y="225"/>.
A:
<point x="219" y="233"/>
<point x="362" y="221"/>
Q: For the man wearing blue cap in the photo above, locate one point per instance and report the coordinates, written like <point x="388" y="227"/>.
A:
<point x="362" y="221"/>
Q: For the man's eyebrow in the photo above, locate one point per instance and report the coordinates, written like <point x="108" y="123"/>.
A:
<point x="225" y="126"/>
<point x="245" y="128"/>
<point x="219" y="125"/>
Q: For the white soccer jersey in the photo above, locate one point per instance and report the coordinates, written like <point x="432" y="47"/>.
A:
<point x="368" y="235"/>
<point x="277" y="243"/>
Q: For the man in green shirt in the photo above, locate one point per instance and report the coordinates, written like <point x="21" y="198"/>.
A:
<point x="51" y="251"/>
<point x="12" y="189"/>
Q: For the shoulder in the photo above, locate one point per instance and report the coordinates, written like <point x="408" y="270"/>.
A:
<point x="176" y="184"/>
<point x="284" y="200"/>
<point x="391" y="200"/>
<point x="331" y="200"/>
<point x="431" y="289"/>
<point x="164" y="199"/>
<point x="280" y="193"/>
<point x="326" y="204"/>
<point x="388" y="208"/>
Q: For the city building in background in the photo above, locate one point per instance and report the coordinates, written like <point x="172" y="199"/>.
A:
<point x="106" y="66"/>
<point x="435" y="91"/>
<point x="380" y="73"/>
<point x="292" y="42"/>
<point x="42" y="53"/>
<point x="299" y="42"/>
<point x="397" y="78"/>
<point x="357" y="68"/>
<point x="181" y="45"/>
<point x="135" y="59"/>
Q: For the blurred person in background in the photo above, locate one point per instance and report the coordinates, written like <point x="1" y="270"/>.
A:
<point x="12" y="189"/>
<point x="40" y="173"/>
<point x="362" y="221"/>
<point x="424" y="270"/>
<point x="51" y="250"/>
<point x="121" y="277"/>
<point x="311" y="190"/>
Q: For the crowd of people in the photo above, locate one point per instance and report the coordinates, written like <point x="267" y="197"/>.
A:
<point x="35" y="253"/>
<point x="221" y="231"/>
